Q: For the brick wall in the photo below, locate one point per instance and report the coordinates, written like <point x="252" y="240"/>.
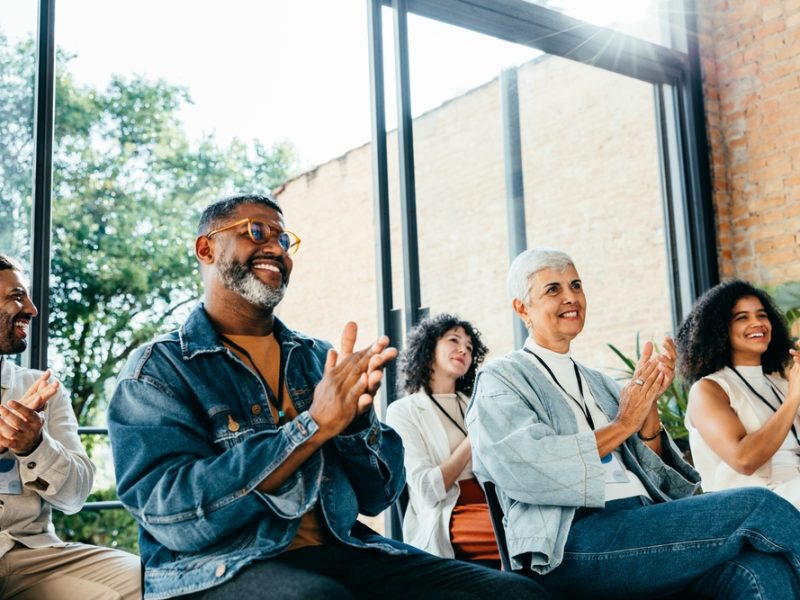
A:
<point x="591" y="186"/>
<point x="750" y="53"/>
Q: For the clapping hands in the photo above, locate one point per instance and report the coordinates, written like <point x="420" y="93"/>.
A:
<point x="21" y="422"/>
<point x="350" y="381"/>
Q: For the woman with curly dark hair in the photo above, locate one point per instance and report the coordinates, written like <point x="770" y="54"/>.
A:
<point x="447" y="513"/>
<point x="742" y="416"/>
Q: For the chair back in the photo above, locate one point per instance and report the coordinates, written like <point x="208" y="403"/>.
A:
<point x="396" y="514"/>
<point x="496" y="514"/>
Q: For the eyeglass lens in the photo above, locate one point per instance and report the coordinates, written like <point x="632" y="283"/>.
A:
<point x="260" y="233"/>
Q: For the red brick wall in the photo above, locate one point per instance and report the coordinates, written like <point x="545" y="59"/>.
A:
<point x="750" y="52"/>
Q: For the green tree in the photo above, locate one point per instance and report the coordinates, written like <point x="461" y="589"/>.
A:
<point x="16" y="147"/>
<point x="128" y="186"/>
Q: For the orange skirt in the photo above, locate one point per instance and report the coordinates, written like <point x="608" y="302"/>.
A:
<point x="470" y="526"/>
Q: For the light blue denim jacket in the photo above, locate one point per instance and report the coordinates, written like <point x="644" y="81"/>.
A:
<point x="525" y="439"/>
<point x="189" y="451"/>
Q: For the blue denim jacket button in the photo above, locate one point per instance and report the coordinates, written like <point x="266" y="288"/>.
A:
<point x="302" y="428"/>
<point x="220" y="570"/>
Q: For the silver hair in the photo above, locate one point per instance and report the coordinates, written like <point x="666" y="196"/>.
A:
<point x="530" y="262"/>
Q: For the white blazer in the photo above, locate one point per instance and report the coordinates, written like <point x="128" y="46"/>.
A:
<point x="426" y="523"/>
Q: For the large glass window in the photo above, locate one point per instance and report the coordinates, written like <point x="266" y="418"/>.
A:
<point x="593" y="189"/>
<point x="17" y="77"/>
<point x="460" y="174"/>
<point x="161" y="110"/>
<point x="168" y="106"/>
<point x="590" y="168"/>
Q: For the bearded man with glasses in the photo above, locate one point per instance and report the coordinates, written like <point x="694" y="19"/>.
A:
<point x="246" y="450"/>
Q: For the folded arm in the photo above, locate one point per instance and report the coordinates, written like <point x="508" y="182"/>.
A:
<point x="188" y="491"/>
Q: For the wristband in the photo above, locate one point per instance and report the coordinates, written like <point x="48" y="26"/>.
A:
<point x="652" y="437"/>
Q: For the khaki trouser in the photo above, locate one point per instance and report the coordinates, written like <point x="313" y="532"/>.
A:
<point x="71" y="572"/>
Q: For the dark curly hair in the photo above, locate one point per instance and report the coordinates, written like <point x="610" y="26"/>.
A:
<point x="416" y="360"/>
<point x="703" y="342"/>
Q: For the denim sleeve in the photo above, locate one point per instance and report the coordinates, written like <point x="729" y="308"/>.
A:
<point x="373" y="461"/>
<point x="185" y="490"/>
<point x="670" y="472"/>
<point x="522" y="454"/>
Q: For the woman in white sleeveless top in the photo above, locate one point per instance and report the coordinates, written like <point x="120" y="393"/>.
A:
<point x="742" y="416"/>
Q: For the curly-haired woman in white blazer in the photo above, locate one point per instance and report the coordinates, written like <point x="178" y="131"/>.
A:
<point x="447" y="513"/>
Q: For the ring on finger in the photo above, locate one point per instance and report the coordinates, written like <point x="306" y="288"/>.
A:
<point x="638" y="381"/>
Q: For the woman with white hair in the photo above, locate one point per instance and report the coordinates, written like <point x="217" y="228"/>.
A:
<point x="598" y="500"/>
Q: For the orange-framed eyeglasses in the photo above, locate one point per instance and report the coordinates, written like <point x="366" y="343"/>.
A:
<point x="260" y="233"/>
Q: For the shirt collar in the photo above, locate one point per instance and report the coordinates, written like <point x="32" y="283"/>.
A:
<point x="199" y="336"/>
<point x="6" y="372"/>
<point x="547" y="355"/>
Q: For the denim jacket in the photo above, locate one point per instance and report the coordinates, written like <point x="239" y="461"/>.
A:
<point x="190" y="448"/>
<point x="525" y="439"/>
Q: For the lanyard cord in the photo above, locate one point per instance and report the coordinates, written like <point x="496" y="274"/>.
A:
<point x="447" y="414"/>
<point x="764" y="400"/>
<point x="582" y="402"/>
<point x="276" y="401"/>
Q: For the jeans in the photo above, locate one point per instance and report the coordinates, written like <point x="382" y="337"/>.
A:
<point x="344" y="573"/>
<point x="733" y="544"/>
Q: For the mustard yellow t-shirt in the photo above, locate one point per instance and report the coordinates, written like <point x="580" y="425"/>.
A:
<point x="265" y="353"/>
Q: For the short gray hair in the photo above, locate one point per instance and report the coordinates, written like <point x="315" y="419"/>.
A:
<point x="530" y="262"/>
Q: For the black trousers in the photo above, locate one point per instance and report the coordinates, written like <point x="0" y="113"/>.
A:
<point x="341" y="572"/>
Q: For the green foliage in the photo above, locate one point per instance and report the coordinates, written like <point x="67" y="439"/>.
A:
<point x="113" y="528"/>
<point x="128" y="186"/>
<point x="787" y="297"/>
<point x="671" y="405"/>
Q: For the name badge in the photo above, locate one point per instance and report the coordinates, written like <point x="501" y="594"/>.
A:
<point x="613" y="469"/>
<point x="10" y="482"/>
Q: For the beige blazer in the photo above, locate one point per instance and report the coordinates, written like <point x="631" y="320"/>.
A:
<point x="58" y="473"/>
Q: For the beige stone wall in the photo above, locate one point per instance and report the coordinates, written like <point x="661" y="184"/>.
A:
<point x="750" y="55"/>
<point x="591" y="185"/>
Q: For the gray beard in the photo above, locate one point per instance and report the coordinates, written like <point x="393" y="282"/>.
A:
<point x="238" y="278"/>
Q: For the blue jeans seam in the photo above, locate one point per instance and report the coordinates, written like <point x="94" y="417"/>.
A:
<point x="776" y="547"/>
<point x="753" y="578"/>
<point x="709" y="542"/>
